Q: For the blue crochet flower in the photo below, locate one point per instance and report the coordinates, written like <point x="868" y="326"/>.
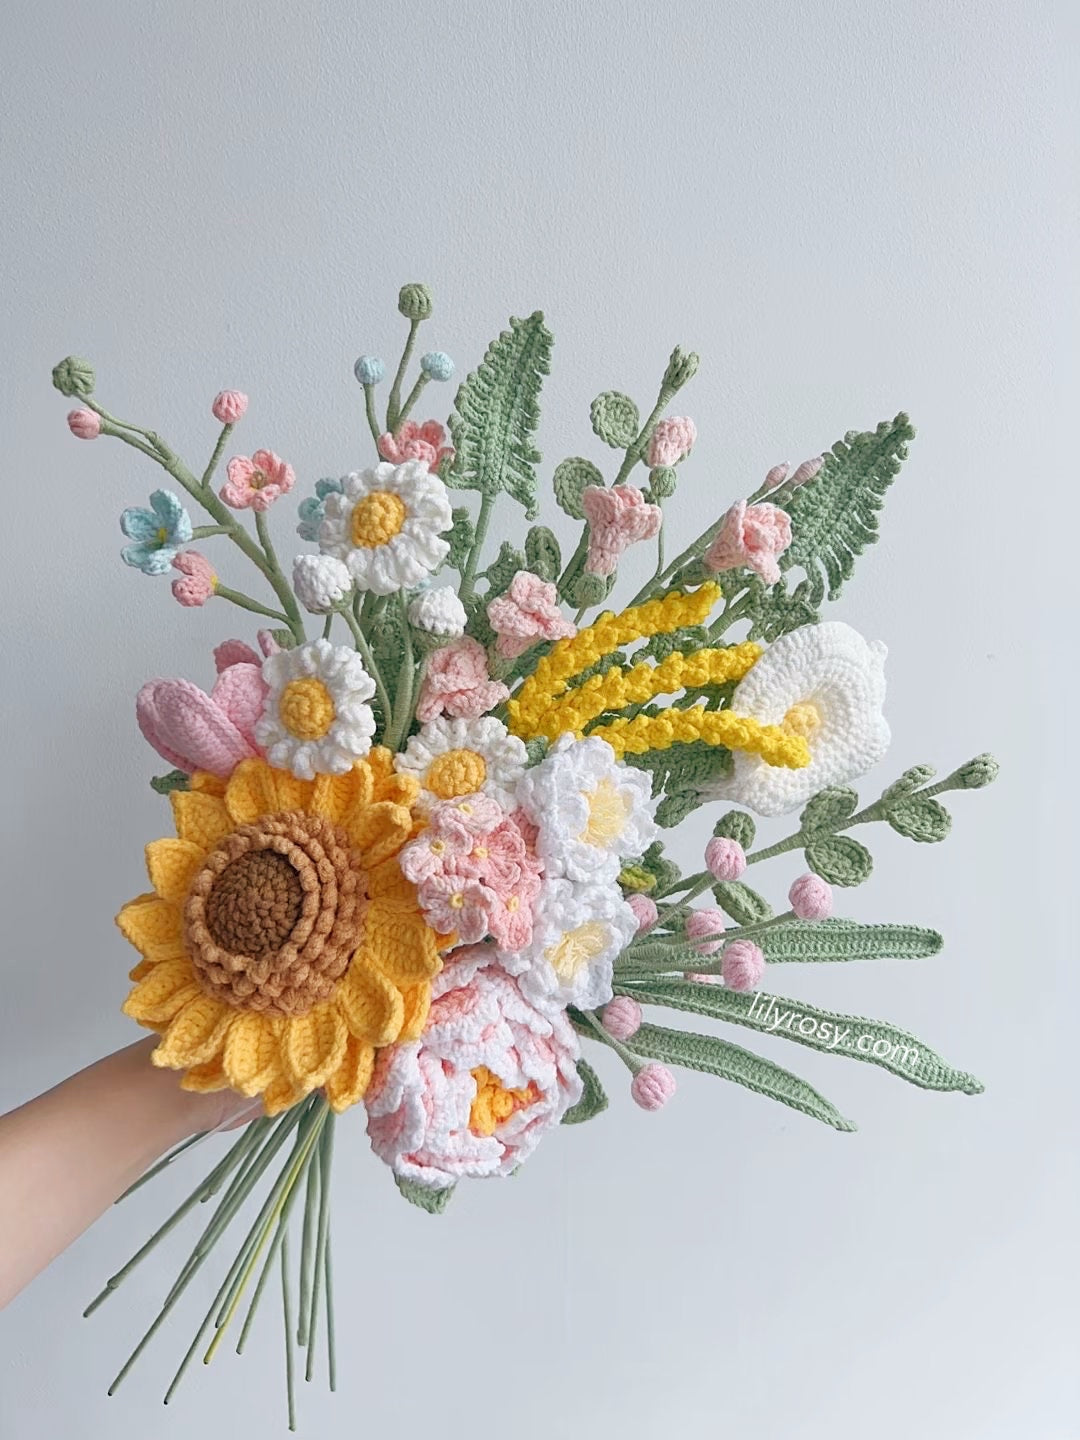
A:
<point x="158" y="533"/>
<point x="314" y="507"/>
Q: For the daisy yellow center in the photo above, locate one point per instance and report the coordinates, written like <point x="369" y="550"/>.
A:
<point x="162" y="534"/>
<point x="802" y="719"/>
<point x="458" y="772"/>
<point x="377" y="518"/>
<point x="608" y="811"/>
<point x="577" y="948"/>
<point x="306" y="709"/>
<point x="494" y="1103"/>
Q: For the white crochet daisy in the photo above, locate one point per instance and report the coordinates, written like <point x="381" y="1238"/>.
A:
<point x="315" y="719"/>
<point x="459" y="757"/>
<point x="590" y="808"/>
<point x="385" y="526"/>
<point x="578" y="931"/>
<point x="826" y="683"/>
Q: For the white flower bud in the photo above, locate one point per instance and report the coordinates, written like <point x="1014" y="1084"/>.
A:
<point x="439" y="612"/>
<point x="321" y="582"/>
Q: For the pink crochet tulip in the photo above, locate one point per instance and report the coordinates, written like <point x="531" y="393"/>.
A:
<point x="527" y="612"/>
<point x="751" y="536"/>
<point x="256" y="482"/>
<point x="811" y="898"/>
<point x="196" y="731"/>
<point x="645" y="912"/>
<point x="742" y="965"/>
<point x="618" y="517"/>
<point x="427" y="1116"/>
<point x="229" y="406"/>
<point x="622" y="1017"/>
<point x="417" y="442"/>
<point x="457" y="682"/>
<point x="671" y="440"/>
<point x="653" y="1086"/>
<point x="704" y="929"/>
<point x="725" y="859"/>
<point x="197" y="582"/>
<point x="84" y="424"/>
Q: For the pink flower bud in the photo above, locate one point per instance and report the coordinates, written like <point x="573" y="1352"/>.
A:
<point x="197" y="582"/>
<point x="807" y="470"/>
<point x="653" y="1086"/>
<point x="777" y="475"/>
<point x="742" y="965"/>
<point x="645" y="912"/>
<point x="703" y="927"/>
<point x="229" y="406"/>
<point x="811" y="897"/>
<point x="724" y="858"/>
<point x="671" y="440"/>
<point x="622" y="1017"/>
<point x="84" y="423"/>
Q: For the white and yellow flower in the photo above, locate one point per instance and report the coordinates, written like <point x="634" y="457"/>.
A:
<point x="452" y="758"/>
<point x="826" y="683"/>
<point x="315" y="718"/>
<point x="578" y="931"/>
<point x="591" y="810"/>
<point x="385" y="525"/>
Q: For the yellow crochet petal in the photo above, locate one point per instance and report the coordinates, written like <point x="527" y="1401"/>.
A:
<point x="252" y="1052"/>
<point x="195" y="1034"/>
<point x="207" y="784"/>
<point x="292" y="794"/>
<point x="372" y="1006"/>
<point x="251" y="791"/>
<point x="313" y="1045"/>
<point x="141" y="970"/>
<point x="281" y="1095"/>
<point x="148" y="920"/>
<point x="417" y="1000"/>
<point x="336" y="796"/>
<point x="386" y="882"/>
<point x="400" y="789"/>
<point x="350" y="1080"/>
<point x="173" y="865"/>
<point x="379" y="831"/>
<point x="203" y="1078"/>
<point x="380" y="765"/>
<point x="202" y="819"/>
<point x="162" y="992"/>
<point x="404" y="948"/>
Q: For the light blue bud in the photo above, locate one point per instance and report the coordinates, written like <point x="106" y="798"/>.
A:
<point x="436" y="365"/>
<point x="369" y="370"/>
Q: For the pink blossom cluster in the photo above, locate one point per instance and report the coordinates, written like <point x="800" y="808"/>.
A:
<point x="412" y="441"/>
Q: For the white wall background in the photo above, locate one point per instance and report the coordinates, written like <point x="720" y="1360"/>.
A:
<point x="848" y="209"/>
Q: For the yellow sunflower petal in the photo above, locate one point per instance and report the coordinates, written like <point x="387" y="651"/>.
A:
<point x="292" y="794"/>
<point x="380" y="762"/>
<point x="417" y="1004"/>
<point x="406" y="950"/>
<point x="195" y="1034"/>
<point x="141" y="970"/>
<point x="251" y="791"/>
<point x="203" y="1078"/>
<point x="335" y="797"/>
<point x="313" y="1045"/>
<point x="386" y="882"/>
<point x="202" y="819"/>
<point x="148" y="920"/>
<point x="350" y="1080"/>
<point x="252" y="1054"/>
<point x="379" y="831"/>
<point x="372" y="1006"/>
<point x="208" y="784"/>
<point x="281" y="1095"/>
<point x="173" y="865"/>
<point x="163" y="992"/>
<point x="402" y="789"/>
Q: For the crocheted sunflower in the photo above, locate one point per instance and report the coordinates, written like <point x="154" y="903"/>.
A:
<point x="281" y="944"/>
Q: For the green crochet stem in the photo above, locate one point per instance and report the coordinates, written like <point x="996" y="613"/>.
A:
<point x="627" y="1056"/>
<point x="369" y="410"/>
<point x="393" y="404"/>
<point x="245" y="602"/>
<point x="208" y="473"/>
<point x="413" y="396"/>
<point x="404" y="696"/>
<point x="468" y="575"/>
<point x="348" y="613"/>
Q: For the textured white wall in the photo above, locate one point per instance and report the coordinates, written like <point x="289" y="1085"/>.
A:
<point x="848" y="209"/>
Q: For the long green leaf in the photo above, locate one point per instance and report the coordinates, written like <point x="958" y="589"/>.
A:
<point x="496" y="412"/>
<point x="827" y="940"/>
<point x="593" y="1099"/>
<point x="719" y="1057"/>
<point x="851" y="1035"/>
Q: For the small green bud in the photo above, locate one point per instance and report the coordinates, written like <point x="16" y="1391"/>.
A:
<point x="590" y="589"/>
<point x="662" y="481"/>
<point x="414" y="302"/>
<point x="680" y="368"/>
<point x="74" y="376"/>
<point x="637" y="879"/>
<point x="983" y="770"/>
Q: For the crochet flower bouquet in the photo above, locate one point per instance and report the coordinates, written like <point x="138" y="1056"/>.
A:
<point x="418" y="863"/>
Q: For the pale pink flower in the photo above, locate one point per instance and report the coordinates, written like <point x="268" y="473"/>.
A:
<point x="256" y="482"/>
<point x="751" y="536"/>
<point x="229" y="406"/>
<point x="411" y="441"/>
<point x="622" y="1017"/>
<point x="671" y="440"/>
<point x="456" y="905"/>
<point x="725" y="859"/>
<point x="84" y="424"/>
<point x="618" y="517"/>
<point x="705" y="928"/>
<point x="653" y="1086"/>
<point x="488" y="1078"/>
<point x="198" y="581"/>
<point x="196" y="731"/>
<point x="527" y="612"/>
<point x="457" y="682"/>
<point x="811" y="898"/>
<point x="645" y="912"/>
<point x="742" y="965"/>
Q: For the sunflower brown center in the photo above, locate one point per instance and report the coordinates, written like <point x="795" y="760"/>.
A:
<point x="276" y="913"/>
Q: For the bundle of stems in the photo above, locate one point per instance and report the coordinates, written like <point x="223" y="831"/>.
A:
<point x="309" y="1126"/>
